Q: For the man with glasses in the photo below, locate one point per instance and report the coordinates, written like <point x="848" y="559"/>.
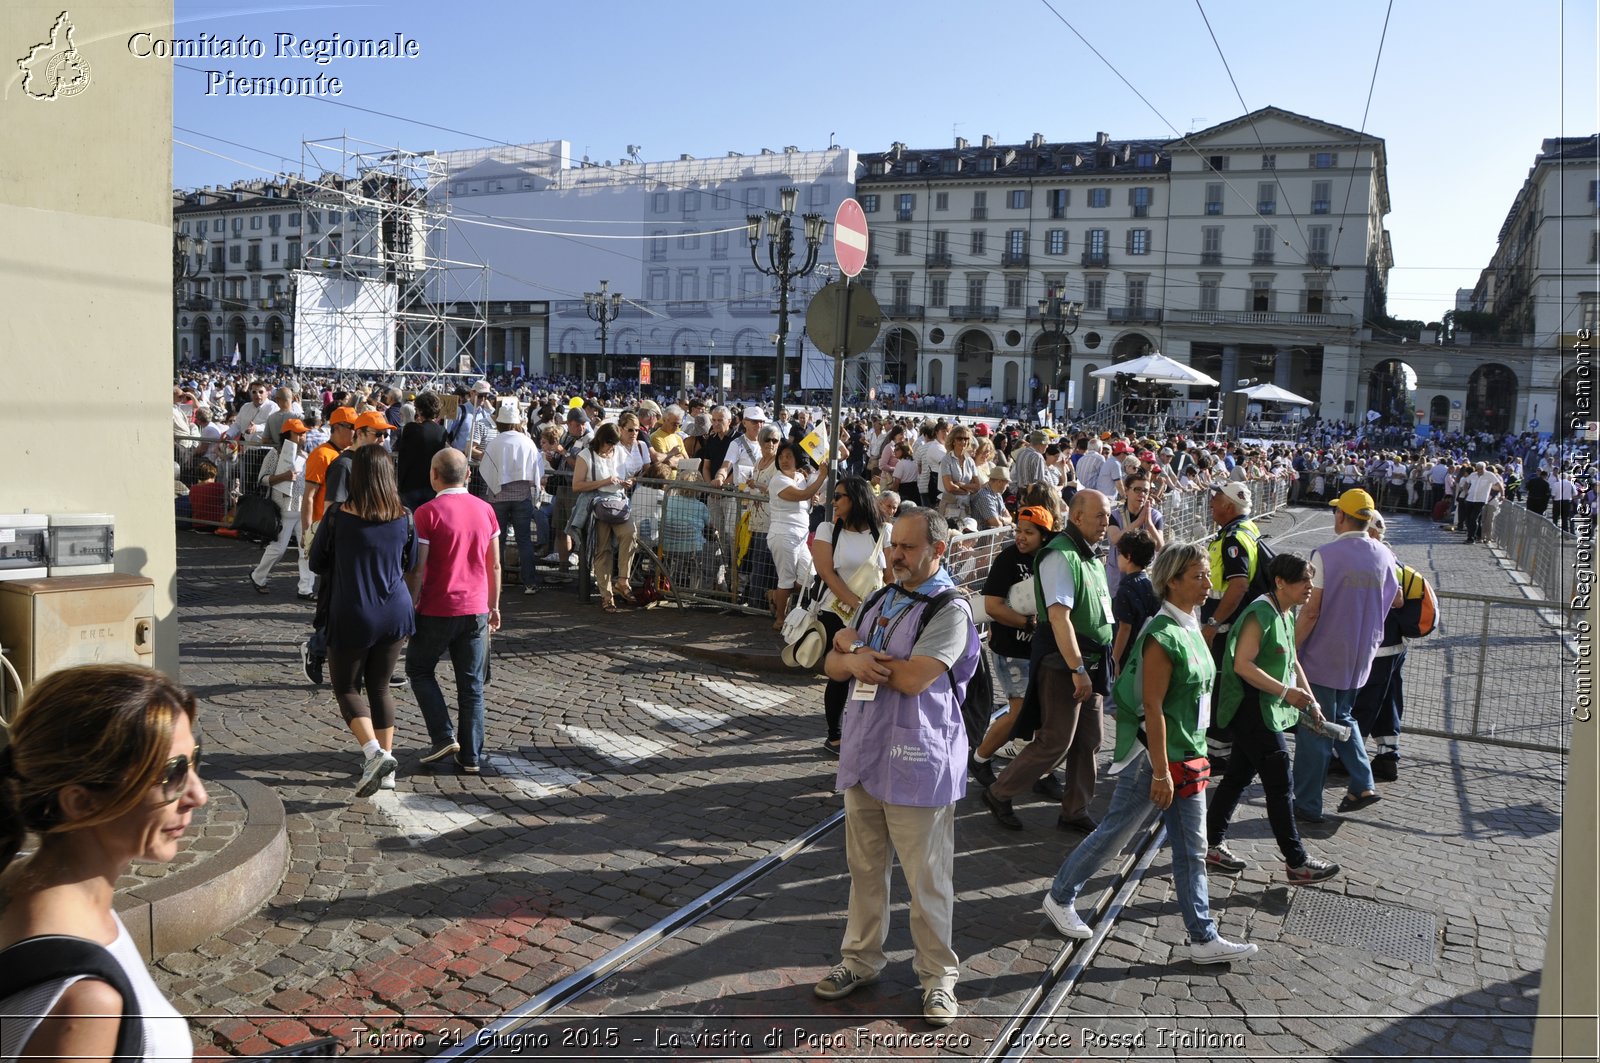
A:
<point x="251" y="422"/>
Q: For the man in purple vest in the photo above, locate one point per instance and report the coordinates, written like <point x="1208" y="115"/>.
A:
<point x="903" y="763"/>
<point x="1337" y="636"/>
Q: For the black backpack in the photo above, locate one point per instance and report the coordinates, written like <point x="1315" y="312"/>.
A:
<point x="978" y="704"/>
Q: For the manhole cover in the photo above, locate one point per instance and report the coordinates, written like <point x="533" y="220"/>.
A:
<point x="1403" y="933"/>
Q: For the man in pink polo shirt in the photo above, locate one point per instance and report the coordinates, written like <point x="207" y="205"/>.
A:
<point x="455" y="581"/>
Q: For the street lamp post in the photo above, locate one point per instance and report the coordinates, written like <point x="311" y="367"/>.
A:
<point x="777" y="226"/>
<point x="603" y="307"/>
<point x="188" y="252"/>
<point x="1063" y="317"/>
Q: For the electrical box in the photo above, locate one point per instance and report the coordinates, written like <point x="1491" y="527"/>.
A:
<point x="82" y="544"/>
<point x="24" y="546"/>
<point x="50" y="624"/>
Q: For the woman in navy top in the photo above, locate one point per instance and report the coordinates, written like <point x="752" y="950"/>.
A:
<point x="364" y="549"/>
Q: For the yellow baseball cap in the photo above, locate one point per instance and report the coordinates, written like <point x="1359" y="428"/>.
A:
<point x="1356" y="503"/>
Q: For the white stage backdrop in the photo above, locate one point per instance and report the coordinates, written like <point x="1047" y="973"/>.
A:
<point x="343" y="323"/>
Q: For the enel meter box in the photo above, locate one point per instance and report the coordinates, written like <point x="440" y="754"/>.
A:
<point x="50" y="624"/>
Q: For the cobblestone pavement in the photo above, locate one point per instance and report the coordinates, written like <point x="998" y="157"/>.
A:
<point x="627" y="777"/>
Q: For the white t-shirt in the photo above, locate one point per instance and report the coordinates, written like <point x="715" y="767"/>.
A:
<point x="853" y="549"/>
<point x="785" y="517"/>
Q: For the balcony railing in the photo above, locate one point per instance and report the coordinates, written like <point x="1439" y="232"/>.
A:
<point x="905" y="312"/>
<point x="1096" y="258"/>
<point x="1316" y="258"/>
<point x="1262" y="258"/>
<point x="688" y="308"/>
<point x="938" y="260"/>
<point x="1141" y="210"/>
<point x="197" y="302"/>
<point x="980" y="213"/>
<point x="1267" y="208"/>
<point x="1211" y="258"/>
<point x="253" y="264"/>
<point x="1213" y="208"/>
<point x="1014" y="259"/>
<point x="1319" y="206"/>
<point x="1259" y="317"/>
<point x="750" y="308"/>
<point x="1133" y="315"/>
<point x="903" y="215"/>
<point x="973" y="312"/>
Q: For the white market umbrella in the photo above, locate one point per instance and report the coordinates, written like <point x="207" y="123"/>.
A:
<point x="1159" y="369"/>
<point x="1273" y="393"/>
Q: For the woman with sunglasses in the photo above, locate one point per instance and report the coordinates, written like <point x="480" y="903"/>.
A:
<point x="103" y="767"/>
<point x="850" y="558"/>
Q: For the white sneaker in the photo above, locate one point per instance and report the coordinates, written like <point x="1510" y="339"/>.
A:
<point x="552" y="558"/>
<point x="1012" y="748"/>
<point x="387" y="782"/>
<point x="1221" y="950"/>
<point x="1065" y="918"/>
<point x="373" y="770"/>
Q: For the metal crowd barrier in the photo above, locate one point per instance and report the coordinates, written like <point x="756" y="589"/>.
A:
<point x="1537" y="547"/>
<point x="1495" y="670"/>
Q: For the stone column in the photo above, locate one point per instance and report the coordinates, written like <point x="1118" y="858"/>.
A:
<point x="1283" y="368"/>
<point x="1230" y="367"/>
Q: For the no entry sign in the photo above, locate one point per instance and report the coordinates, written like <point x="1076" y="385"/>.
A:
<point x="850" y="238"/>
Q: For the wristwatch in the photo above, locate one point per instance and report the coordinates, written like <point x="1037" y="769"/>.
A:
<point x="1082" y="669"/>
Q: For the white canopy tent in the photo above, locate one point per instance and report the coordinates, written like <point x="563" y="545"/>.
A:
<point x="1158" y="369"/>
<point x="1273" y="393"/>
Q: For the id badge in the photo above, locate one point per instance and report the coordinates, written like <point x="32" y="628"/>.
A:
<point x="1204" y="715"/>
<point x="864" y="691"/>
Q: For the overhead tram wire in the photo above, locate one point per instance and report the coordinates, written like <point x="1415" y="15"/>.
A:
<point x="1362" y="132"/>
<point x="635" y="173"/>
<point x="1283" y="192"/>
<point x="1184" y="137"/>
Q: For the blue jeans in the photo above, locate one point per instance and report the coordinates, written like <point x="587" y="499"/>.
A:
<point x="1185" y="823"/>
<point x="1312" y="751"/>
<point x="521" y="515"/>
<point x="466" y="638"/>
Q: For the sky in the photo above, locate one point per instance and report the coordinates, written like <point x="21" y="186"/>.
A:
<point x="1462" y="93"/>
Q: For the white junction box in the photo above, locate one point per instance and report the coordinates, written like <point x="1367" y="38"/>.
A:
<point x="24" y="546"/>
<point x="82" y="544"/>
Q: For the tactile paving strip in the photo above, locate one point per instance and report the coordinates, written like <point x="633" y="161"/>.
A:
<point x="1404" y="933"/>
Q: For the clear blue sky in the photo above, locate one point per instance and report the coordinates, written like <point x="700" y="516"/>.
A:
<point x="1464" y="92"/>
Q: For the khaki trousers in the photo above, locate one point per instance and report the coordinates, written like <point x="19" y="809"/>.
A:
<point x="925" y="841"/>
<point x="1066" y="726"/>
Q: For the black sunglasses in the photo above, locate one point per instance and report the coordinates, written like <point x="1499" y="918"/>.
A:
<point x="175" y="776"/>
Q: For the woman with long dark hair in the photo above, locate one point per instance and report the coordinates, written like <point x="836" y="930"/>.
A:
<point x="364" y="549"/>
<point x="103" y="766"/>
<point x="850" y="558"/>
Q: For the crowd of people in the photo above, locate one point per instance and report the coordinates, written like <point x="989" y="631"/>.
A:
<point x="1205" y="654"/>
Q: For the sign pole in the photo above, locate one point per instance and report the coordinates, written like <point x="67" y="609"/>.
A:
<point x="838" y="386"/>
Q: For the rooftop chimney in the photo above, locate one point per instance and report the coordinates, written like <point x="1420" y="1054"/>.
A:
<point x="988" y="141"/>
<point x="961" y="144"/>
<point x="1102" y="139"/>
<point x="1037" y="141"/>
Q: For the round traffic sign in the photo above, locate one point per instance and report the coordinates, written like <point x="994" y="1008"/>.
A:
<point x="843" y="321"/>
<point x="850" y="237"/>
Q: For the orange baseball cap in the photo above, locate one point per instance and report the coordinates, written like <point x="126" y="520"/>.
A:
<point x="293" y="424"/>
<point x="374" y="420"/>
<point x="342" y="415"/>
<point x="1038" y="515"/>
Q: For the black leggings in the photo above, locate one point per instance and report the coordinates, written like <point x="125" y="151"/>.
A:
<point x="348" y="670"/>
<point x="837" y="690"/>
<point x="1257" y="750"/>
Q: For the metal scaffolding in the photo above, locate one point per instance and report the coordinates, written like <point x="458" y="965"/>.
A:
<point x="378" y="213"/>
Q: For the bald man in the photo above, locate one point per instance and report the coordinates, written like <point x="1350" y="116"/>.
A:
<point x="455" y="581"/>
<point x="1070" y="673"/>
